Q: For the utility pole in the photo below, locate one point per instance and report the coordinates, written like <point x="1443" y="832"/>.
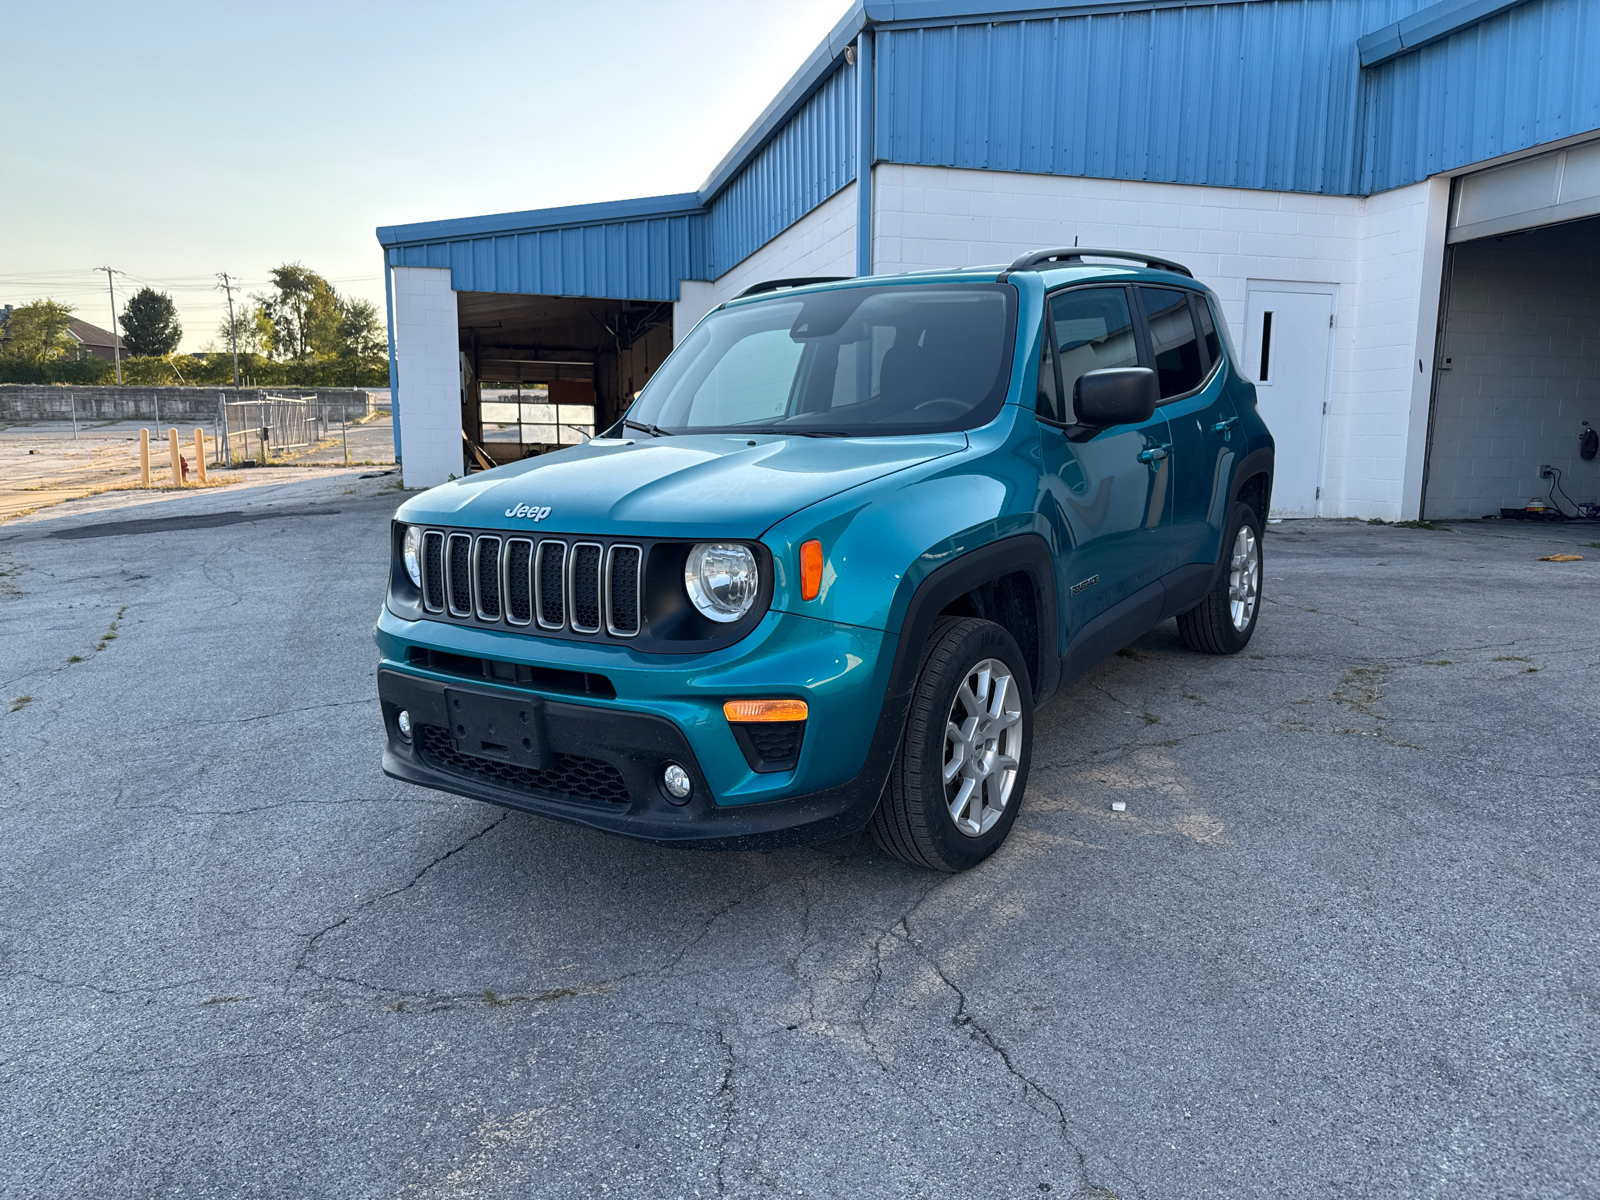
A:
<point x="233" y="333"/>
<point x="116" y="338"/>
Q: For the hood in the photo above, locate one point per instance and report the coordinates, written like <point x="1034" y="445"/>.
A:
<point x="691" y="485"/>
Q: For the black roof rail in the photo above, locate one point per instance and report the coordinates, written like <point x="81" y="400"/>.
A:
<point x="1035" y="259"/>
<point x="773" y="285"/>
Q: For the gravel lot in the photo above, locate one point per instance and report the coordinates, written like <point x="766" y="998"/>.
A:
<point x="45" y="463"/>
<point x="1342" y="943"/>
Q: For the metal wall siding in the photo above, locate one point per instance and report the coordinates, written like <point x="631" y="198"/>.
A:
<point x="809" y="159"/>
<point x="1265" y="95"/>
<point x="1511" y="82"/>
<point x="625" y="260"/>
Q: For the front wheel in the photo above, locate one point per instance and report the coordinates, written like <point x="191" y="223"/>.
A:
<point x="957" y="781"/>
<point x="1223" y="622"/>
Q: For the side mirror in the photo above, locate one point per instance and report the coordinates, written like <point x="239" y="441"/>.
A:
<point x="1115" y="396"/>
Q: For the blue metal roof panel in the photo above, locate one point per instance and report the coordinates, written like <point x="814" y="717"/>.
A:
<point x="1261" y="95"/>
<point x="1267" y="94"/>
<point x="623" y="260"/>
<point x="541" y="218"/>
<point x="1514" y="81"/>
<point x="809" y="159"/>
<point x="1423" y="28"/>
<point x="814" y="73"/>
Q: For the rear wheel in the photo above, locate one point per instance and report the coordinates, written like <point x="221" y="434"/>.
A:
<point x="957" y="781"/>
<point x="1223" y="622"/>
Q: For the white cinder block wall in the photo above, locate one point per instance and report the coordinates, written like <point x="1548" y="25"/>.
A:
<point x="1523" y="336"/>
<point x="823" y="242"/>
<point x="428" y="361"/>
<point x="1375" y="250"/>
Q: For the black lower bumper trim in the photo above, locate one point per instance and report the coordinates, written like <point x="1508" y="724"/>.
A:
<point x="636" y="747"/>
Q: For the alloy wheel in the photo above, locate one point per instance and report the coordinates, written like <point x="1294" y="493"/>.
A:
<point x="982" y="747"/>
<point x="1244" y="578"/>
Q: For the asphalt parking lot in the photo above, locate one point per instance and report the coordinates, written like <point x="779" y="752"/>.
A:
<point x="1342" y="943"/>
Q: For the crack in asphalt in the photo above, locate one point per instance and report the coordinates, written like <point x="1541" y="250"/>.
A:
<point x="301" y="963"/>
<point x="729" y="1102"/>
<point x="982" y="1035"/>
<point x="431" y="801"/>
<point x="286" y="712"/>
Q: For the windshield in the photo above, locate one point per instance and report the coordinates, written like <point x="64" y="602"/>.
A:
<point x="859" y="362"/>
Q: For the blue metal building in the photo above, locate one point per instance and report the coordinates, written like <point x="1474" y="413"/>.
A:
<point x="1338" y="149"/>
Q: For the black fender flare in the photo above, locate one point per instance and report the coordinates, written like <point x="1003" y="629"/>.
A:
<point x="1028" y="553"/>
<point x="1257" y="462"/>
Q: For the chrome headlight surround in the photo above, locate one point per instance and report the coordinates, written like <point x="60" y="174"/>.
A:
<point x="723" y="580"/>
<point x="411" y="553"/>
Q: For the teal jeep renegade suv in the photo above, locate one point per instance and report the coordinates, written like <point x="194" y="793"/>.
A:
<point x="845" y="541"/>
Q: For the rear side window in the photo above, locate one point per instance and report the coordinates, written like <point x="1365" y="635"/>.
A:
<point x="1172" y="338"/>
<point x="1093" y="331"/>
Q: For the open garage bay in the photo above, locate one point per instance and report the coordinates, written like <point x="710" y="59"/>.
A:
<point x="1341" y="943"/>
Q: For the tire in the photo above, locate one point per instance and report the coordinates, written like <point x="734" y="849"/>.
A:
<point x="914" y="821"/>
<point x="1223" y="622"/>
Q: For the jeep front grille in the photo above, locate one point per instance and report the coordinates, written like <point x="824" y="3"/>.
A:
<point x="433" y="571"/>
<point x="517" y="561"/>
<point x="458" y="574"/>
<point x="583" y="584"/>
<point x="486" y="579"/>
<point x="622" y="591"/>
<point x="556" y="584"/>
<point x="552" y="573"/>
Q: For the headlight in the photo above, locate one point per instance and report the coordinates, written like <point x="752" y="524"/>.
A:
<point x="411" y="551"/>
<point x="722" y="580"/>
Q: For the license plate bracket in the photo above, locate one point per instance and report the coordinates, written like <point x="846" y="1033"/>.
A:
<point x="508" y="729"/>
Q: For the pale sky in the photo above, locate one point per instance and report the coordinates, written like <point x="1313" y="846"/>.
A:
<point x="175" y="140"/>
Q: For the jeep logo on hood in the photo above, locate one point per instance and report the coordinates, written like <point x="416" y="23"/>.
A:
<point x="531" y="511"/>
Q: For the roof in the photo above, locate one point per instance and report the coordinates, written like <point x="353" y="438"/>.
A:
<point x="92" y="335"/>
<point x="1053" y="273"/>
<point x="1333" y="97"/>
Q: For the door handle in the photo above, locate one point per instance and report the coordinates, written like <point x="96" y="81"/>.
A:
<point x="1154" y="454"/>
<point x="1224" y="425"/>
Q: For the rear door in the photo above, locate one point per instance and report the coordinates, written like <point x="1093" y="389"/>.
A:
<point x="1187" y="356"/>
<point x="1107" y="492"/>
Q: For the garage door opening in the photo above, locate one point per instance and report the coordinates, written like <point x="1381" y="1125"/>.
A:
<point x="1517" y="382"/>
<point x="542" y="372"/>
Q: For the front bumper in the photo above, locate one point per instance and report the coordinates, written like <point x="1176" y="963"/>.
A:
<point x="605" y="756"/>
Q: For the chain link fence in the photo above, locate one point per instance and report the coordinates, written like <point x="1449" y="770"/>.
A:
<point x="281" y="426"/>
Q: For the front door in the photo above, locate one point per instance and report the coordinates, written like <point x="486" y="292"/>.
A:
<point x="1288" y="347"/>
<point x="1108" y="493"/>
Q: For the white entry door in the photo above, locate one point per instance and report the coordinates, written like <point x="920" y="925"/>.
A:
<point x="1288" y="343"/>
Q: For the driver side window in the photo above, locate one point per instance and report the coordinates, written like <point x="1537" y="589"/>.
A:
<point x="1093" y="330"/>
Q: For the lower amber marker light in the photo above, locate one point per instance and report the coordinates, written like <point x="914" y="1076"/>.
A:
<point x="744" y="711"/>
<point x="810" y="569"/>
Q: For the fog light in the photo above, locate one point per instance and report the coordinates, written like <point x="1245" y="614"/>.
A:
<point x="404" y="722"/>
<point x="677" y="782"/>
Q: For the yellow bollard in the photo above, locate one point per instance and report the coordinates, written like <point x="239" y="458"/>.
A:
<point x="177" y="469"/>
<point x="200" y="455"/>
<point x="144" y="458"/>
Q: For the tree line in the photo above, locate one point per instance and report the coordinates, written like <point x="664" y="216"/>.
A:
<point x="297" y="333"/>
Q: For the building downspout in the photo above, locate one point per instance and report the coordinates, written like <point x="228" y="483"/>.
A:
<point x="394" y="374"/>
<point x="864" y="152"/>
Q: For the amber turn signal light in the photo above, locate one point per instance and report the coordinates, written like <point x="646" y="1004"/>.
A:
<point x="743" y="711"/>
<point x="810" y="569"/>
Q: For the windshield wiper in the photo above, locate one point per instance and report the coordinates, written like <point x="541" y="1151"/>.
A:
<point x="788" y="429"/>
<point x="652" y="430"/>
